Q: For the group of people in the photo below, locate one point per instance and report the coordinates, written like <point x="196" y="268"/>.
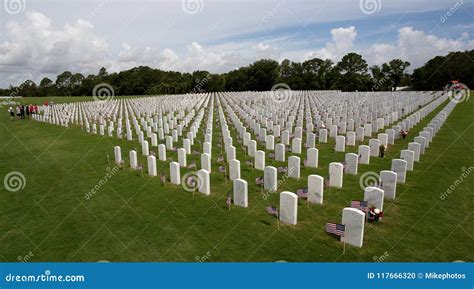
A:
<point x="22" y="111"/>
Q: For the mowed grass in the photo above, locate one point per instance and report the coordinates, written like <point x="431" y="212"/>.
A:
<point x="135" y="218"/>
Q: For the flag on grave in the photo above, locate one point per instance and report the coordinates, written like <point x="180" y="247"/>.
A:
<point x="163" y="178"/>
<point x="282" y="169"/>
<point x="222" y="169"/>
<point x="259" y="181"/>
<point x="326" y="181"/>
<point x="228" y="200"/>
<point x="302" y="193"/>
<point x="336" y="229"/>
<point x="360" y="205"/>
<point x="192" y="165"/>
<point x="220" y="159"/>
<point x="272" y="211"/>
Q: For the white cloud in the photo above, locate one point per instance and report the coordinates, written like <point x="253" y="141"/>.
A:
<point x="342" y="42"/>
<point x="416" y="47"/>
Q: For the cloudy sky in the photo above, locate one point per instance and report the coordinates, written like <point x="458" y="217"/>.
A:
<point x="41" y="38"/>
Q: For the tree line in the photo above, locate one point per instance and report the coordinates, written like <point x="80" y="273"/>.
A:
<point x="351" y="73"/>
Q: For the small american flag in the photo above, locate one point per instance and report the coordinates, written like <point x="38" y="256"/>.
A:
<point x="360" y="205"/>
<point x="228" y="200"/>
<point x="326" y="181"/>
<point x="192" y="165"/>
<point x="163" y="178"/>
<point x="282" y="169"/>
<point x="222" y="169"/>
<point x="302" y="193"/>
<point x="305" y="163"/>
<point x="272" y="211"/>
<point x="220" y="159"/>
<point x="259" y="181"/>
<point x="336" y="229"/>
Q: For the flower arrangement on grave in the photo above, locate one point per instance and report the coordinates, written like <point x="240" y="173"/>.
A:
<point x="375" y="215"/>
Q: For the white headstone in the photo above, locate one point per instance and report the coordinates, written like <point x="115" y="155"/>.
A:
<point x="241" y="193"/>
<point x="145" y="150"/>
<point x="364" y="154"/>
<point x="340" y="143"/>
<point x="416" y="148"/>
<point x="280" y="152"/>
<point x="175" y="173"/>
<point x="133" y="159"/>
<point x="400" y="167"/>
<point x="288" y="208"/>
<point x="206" y="162"/>
<point x="408" y="156"/>
<point x="296" y="146"/>
<point x="117" y="154"/>
<point x="260" y="160"/>
<point x="315" y="189"/>
<point x="335" y="175"/>
<point x="270" y="178"/>
<point x="374" y="145"/>
<point x="234" y="169"/>
<point x="374" y="197"/>
<point x="182" y="157"/>
<point x="151" y="166"/>
<point x="352" y="162"/>
<point x="204" y="182"/>
<point x="312" y="157"/>
<point x="354" y="221"/>
<point x="294" y="167"/>
<point x="162" y="152"/>
<point x="388" y="183"/>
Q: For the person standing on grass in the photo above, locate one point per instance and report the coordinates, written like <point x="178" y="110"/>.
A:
<point x="27" y="111"/>
<point x="18" y="112"/>
<point x="381" y="151"/>
<point x="12" y="113"/>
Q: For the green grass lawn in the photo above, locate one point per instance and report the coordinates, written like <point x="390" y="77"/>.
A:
<point x="135" y="218"/>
